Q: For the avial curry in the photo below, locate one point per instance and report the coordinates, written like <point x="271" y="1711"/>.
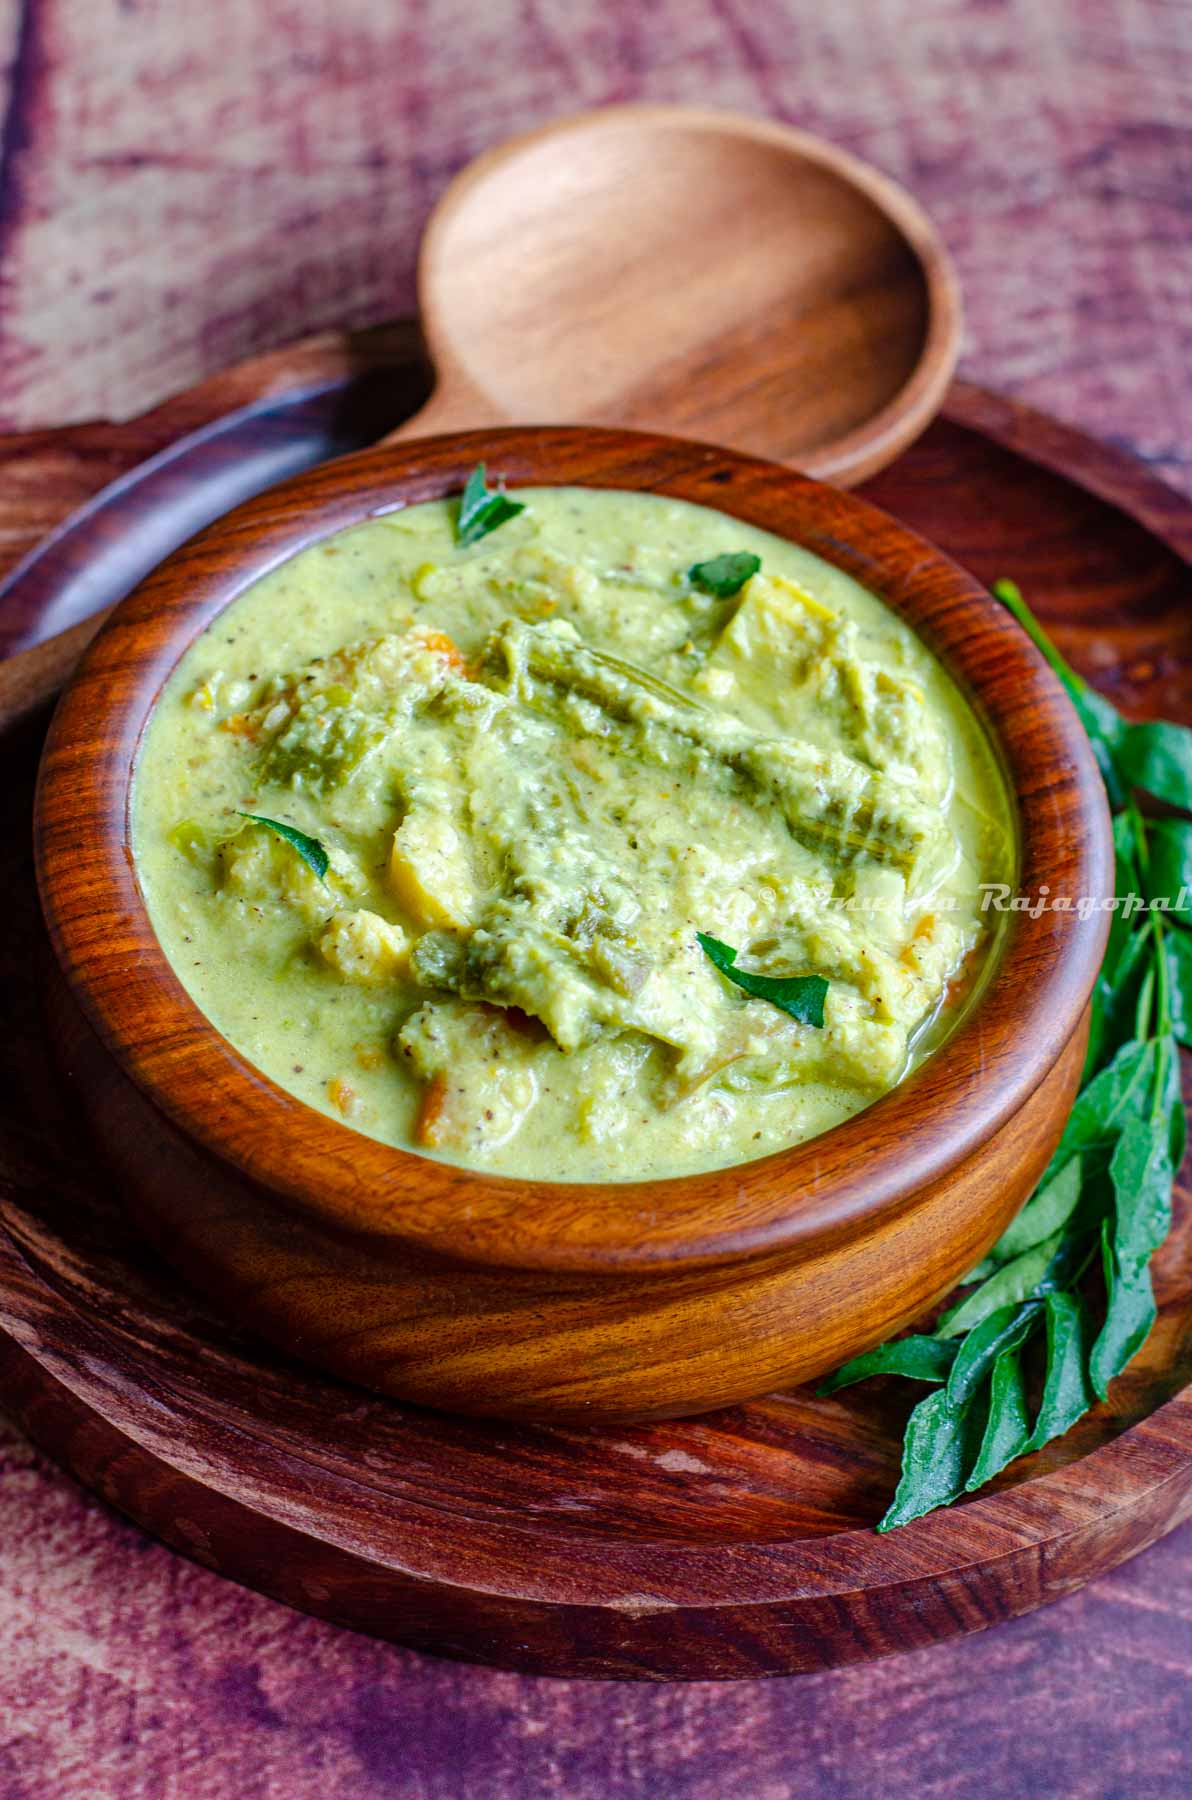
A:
<point x="585" y="834"/>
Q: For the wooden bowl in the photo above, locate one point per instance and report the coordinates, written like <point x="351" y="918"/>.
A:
<point x="491" y="1295"/>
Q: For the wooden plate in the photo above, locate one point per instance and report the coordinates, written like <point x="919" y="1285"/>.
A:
<point x="735" y="1545"/>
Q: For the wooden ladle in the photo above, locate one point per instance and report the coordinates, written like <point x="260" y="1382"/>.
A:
<point x="690" y="271"/>
<point x="693" y="272"/>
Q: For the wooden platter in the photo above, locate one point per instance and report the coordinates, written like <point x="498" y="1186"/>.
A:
<point x="739" y="1544"/>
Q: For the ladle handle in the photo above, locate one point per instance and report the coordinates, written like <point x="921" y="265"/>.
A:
<point x="32" y="677"/>
<point x="454" y="406"/>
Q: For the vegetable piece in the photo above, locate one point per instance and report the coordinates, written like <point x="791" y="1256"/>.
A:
<point x="342" y="1096"/>
<point x="827" y="798"/>
<point x="482" y="511"/>
<point x="724" y="576"/>
<point x="308" y="848"/>
<point x="431" y="1124"/>
<point x="363" y="946"/>
<point x="802" y="996"/>
<point x="429" y="872"/>
<point x="478" y="1066"/>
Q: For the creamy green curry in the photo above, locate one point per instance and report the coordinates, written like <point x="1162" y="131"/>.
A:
<point x="623" y="839"/>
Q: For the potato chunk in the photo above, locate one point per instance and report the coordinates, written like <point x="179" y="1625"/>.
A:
<point x="364" y="947"/>
<point x="430" y="873"/>
<point x="478" y="1063"/>
<point x="777" y="627"/>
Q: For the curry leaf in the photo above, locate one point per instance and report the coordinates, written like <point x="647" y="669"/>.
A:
<point x="920" y="1358"/>
<point x="1103" y="724"/>
<point x="1010" y="595"/>
<point x="938" y="1451"/>
<point x="1008" y="1286"/>
<point x="482" y="511"/>
<point x="1067" y="1391"/>
<point x="802" y="996"/>
<point x="1126" y="881"/>
<point x="1005" y="1329"/>
<point x="308" y="848"/>
<point x="1116" y="1000"/>
<point x="1102" y="1107"/>
<point x="1169" y="871"/>
<point x="1008" y="1425"/>
<point x="1170" y="1099"/>
<point x="1105" y="728"/>
<point x="1128" y="1320"/>
<point x="724" y="576"/>
<point x="1050" y="1208"/>
<point x="1126" y="960"/>
<point x="1142" y="1177"/>
<point x="1178" y="949"/>
<point x="1157" y="756"/>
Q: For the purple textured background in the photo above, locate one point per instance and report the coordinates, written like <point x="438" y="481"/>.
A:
<point x="181" y="186"/>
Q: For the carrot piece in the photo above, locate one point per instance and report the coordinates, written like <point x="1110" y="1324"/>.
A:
<point x="924" y="928"/>
<point x="429" y="1126"/>
<point x="341" y="1096"/>
<point x="446" y="647"/>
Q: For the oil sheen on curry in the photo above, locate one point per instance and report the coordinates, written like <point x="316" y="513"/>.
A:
<point x="570" y="780"/>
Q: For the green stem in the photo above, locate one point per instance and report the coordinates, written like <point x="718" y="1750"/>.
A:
<point x="1010" y="595"/>
<point x="1142" y="1012"/>
<point x="1162" y="979"/>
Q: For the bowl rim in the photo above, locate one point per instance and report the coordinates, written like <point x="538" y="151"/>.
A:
<point x="860" y="1172"/>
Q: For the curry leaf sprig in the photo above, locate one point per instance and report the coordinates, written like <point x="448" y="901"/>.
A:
<point x="802" y="996"/>
<point x="481" y="510"/>
<point x="1068" y="1283"/>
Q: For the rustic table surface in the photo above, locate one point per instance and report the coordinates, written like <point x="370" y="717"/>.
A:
<point x="182" y="186"/>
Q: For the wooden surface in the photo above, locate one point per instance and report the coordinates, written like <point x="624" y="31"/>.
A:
<point x="1051" y="145"/>
<point x="711" y="243"/>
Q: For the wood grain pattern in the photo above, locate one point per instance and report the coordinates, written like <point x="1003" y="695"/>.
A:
<point x="798" y="1479"/>
<point x="733" y="280"/>
<point x="649" y="1299"/>
<point x="224" y="178"/>
<point x="784" y="1471"/>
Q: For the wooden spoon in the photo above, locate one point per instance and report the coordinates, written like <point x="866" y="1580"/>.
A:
<point x="693" y="272"/>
